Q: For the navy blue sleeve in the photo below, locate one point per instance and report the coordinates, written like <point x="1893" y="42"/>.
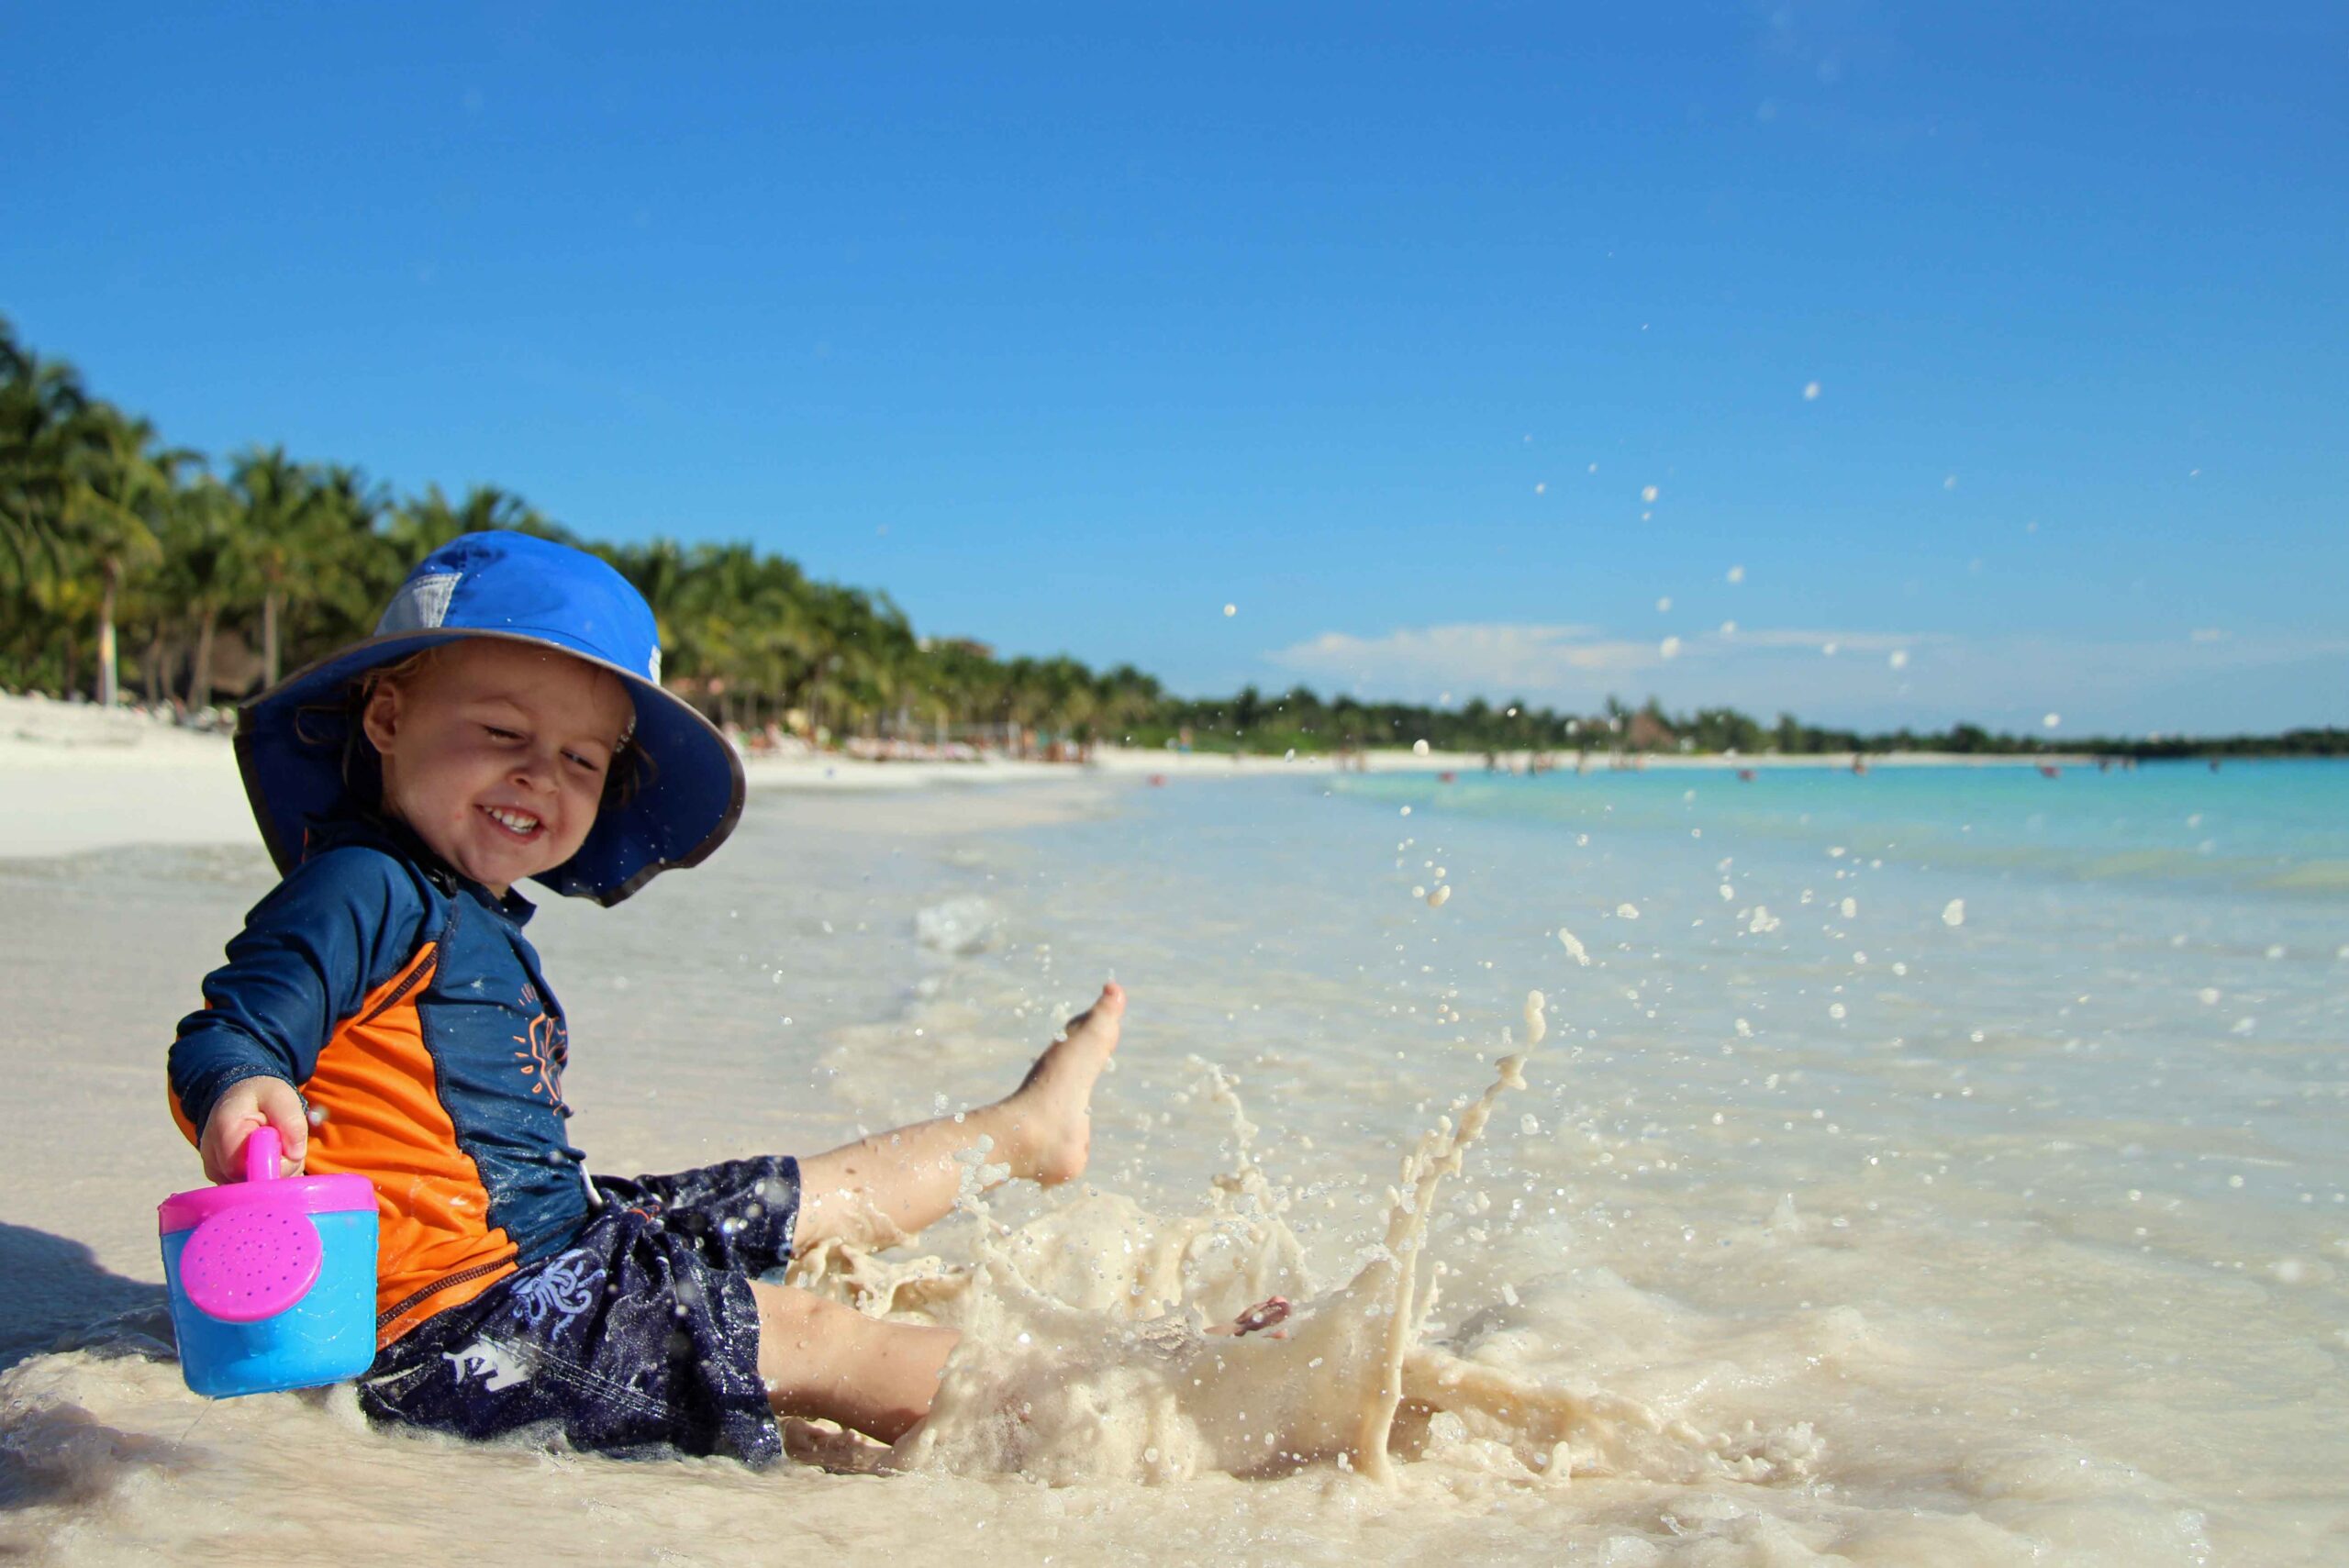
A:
<point x="338" y="927"/>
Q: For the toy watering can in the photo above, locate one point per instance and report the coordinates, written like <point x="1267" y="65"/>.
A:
<point x="273" y="1279"/>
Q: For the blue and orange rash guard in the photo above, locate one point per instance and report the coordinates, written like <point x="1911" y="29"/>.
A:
<point x="403" y="1000"/>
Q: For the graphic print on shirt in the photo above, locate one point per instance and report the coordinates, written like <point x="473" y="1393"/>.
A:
<point x="545" y="1050"/>
<point x="561" y="1291"/>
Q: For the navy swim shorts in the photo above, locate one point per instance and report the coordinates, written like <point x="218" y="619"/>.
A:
<point x="639" y="1339"/>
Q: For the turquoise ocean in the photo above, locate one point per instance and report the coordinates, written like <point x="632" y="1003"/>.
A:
<point x="1987" y="1126"/>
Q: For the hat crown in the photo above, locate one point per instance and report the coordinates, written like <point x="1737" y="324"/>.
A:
<point x="523" y="585"/>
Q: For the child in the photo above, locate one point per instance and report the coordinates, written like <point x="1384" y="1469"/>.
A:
<point x="383" y="1011"/>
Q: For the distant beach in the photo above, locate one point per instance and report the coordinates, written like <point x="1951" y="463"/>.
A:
<point x="76" y="777"/>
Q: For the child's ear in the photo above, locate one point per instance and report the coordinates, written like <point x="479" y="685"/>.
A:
<point x="380" y="719"/>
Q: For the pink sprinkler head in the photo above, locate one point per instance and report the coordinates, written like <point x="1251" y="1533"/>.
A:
<point x="259" y="1258"/>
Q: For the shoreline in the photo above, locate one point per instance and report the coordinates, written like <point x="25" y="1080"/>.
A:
<point x="74" y="778"/>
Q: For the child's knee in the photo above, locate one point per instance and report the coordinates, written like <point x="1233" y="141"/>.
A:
<point x="801" y="1339"/>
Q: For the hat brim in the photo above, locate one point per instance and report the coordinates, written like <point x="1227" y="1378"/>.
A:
<point x="293" y="767"/>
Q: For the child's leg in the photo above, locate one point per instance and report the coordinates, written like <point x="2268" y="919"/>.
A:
<point x="881" y="1190"/>
<point x="819" y="1358"/>
<point x="822" y="1360"/>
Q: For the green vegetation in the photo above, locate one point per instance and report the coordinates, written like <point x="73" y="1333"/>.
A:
<point x="107" y="535"/>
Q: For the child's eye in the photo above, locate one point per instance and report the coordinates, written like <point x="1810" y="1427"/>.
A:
<point x="588" y="763"/>
<point x="498" y="734"/>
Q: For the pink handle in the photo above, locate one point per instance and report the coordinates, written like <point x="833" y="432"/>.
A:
<point x="262" y="1151"/>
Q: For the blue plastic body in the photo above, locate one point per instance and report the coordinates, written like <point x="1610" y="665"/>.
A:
<point x="328" y="1335"/>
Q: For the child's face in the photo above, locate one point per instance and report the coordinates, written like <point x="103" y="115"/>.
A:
<point x="495" y="754"/>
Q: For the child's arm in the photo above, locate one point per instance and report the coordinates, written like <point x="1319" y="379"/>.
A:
<point x="310" y="952"/>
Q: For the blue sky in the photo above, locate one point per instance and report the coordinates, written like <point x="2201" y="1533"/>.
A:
<point x="1068" y="329"/>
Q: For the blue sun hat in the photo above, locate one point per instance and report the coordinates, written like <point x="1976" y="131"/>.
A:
<point x="292" y="740"/>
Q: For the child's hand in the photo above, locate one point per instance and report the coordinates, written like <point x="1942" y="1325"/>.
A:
<point x="248" y="1103"/>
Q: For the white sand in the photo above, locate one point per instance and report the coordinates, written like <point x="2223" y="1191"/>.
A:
<point x="73" y="777"/>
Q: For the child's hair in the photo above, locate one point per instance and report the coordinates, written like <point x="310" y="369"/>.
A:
<point x="340" y="724"/>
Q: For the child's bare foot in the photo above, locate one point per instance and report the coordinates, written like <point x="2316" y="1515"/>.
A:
<point x="1051" y="1131"/>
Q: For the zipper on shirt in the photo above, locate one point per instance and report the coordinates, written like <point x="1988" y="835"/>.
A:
<point x="415" y="976"/>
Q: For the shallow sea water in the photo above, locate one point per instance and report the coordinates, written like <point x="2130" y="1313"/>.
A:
<point x="1934" y="1167"/>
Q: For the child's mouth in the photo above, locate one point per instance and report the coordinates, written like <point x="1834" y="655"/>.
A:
<point x="519" y="825"/>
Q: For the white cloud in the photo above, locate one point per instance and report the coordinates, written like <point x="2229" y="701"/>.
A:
<point x="2008" y="679"/>
<point x="1499" y="658"/>
<point x="1858" y="642"/>
<point x="1482" y="657"/>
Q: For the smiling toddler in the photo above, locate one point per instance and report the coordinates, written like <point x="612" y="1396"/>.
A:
<point x="383" y="1011"/>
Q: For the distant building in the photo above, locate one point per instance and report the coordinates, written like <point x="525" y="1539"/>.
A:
<point x="1646" y="732"/>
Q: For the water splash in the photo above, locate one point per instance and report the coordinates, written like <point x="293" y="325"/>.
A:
<point x="1085" y="1355"/>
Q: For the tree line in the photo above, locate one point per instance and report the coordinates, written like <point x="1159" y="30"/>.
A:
<point x="124" y="560"/>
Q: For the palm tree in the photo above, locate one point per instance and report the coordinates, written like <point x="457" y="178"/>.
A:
<point x="746" y="624"/>
<point x="953" y="680"/>
<point x="352" y="566"/>
<point x="786" y="636"/>
<point x="422" y="524"/>
<point x="1126" y="699"/>
<point x="882" y="650"/>
<point x="42" y="406"/>
<point x="662" y="573"/>
<point x="278" y="497"/>
<point x="856" y="649"/>
<point x="311" y="551"/>
<point x="64" y="600"/>
<point x="118" y="489"/>
<point x="1026" y="700"/>
<point x="206" y="569"/>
